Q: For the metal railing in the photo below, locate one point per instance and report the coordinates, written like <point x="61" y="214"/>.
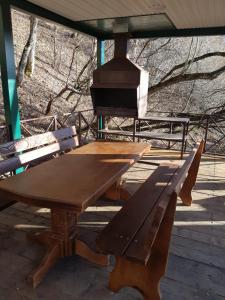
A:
<point x="209" y="127"/>
<point x="85" y="122"/>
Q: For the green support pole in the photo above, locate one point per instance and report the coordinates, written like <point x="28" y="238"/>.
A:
<point x="100" y="53"/>
<point x="8" y="72"/>
<point x="100" y="61"/>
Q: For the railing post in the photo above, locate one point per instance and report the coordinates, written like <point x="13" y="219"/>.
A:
<point x="139" y="129"/>
<point x="79" y="132"/>
<point x="171" y="129"/>
<point x="187" y="131"/>
<point x="100" y="61"/>
<point x="206" y="133"/>
<point x="135" y="129"/>
<point x="183" y="140"/>
<point x="55" y="123"/>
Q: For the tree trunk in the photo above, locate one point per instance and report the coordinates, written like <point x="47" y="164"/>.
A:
<point x="26" y="64"/>
<point x="31" y="58"/>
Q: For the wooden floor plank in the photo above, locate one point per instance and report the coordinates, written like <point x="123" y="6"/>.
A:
<point x="205" y="237"/>
<point x="195" y="250"/>
<point x="196" y="275"/>
<point x="172" y="289"/>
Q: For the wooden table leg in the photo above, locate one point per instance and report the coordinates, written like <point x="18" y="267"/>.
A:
<point x="61" y="241"/>
<point x="52" y="255"/>
<point x="82" y="249"/>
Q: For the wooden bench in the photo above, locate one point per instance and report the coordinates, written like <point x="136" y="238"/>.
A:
<point x="139" y="234"/>
<point x="33" y="149"/>
<point x="149" y="135"/>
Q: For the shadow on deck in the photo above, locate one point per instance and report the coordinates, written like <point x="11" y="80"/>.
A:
<point x="196" y="268"/>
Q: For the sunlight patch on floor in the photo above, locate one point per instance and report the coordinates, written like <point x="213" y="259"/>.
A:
<point x="199" y="223"/>
<point x="28" y="226"/>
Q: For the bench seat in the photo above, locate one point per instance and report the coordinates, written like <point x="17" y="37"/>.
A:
<point x="160" y="136"/>
<point x="145" y="134"/>
<point x="166" y="119"/>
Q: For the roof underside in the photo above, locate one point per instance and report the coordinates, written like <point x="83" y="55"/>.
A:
<point x="142" y="18"/>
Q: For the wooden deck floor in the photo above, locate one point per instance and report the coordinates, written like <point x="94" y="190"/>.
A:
<point x="196" y="268"/>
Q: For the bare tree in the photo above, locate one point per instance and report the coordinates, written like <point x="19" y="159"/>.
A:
<point x="27" y="61"/>
<point x="170" y="79"/>
<point x="81" y="84"/>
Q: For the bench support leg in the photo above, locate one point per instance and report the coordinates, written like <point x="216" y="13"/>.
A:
<point x="185" y="193"/>
<point x="146" y="278"/>
<point x="138" y="276"/>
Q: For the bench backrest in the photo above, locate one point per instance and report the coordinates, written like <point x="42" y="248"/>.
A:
<point x="189" y="172"/>
<point x="22" y="152"/>
<point x="134" y="228"/>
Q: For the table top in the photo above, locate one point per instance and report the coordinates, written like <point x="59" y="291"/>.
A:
<point x="76" y="179"/>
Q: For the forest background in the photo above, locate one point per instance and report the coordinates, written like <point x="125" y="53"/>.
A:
<point x="55" y="65"/>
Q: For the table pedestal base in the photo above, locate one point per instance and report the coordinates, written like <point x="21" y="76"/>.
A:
<point x="61" y="241"/>
<point x="117" y="191"/>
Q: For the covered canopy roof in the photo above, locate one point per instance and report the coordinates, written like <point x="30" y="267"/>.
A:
<point x="144" y="18"/>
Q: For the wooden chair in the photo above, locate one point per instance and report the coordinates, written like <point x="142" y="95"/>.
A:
<point x="33" y="149"/>
<point x="139" y="234"/>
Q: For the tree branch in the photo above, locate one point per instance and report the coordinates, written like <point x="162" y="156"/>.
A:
<point x="187" y="77"/>
<point x="196" y="59"/>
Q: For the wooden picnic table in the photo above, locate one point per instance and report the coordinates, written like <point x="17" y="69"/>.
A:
<point x="68" y="185"/>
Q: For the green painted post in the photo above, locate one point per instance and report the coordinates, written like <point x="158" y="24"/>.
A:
<point x="100" y="53"/>
<point x="100" y="61"/>
<point x="8" y="72"/>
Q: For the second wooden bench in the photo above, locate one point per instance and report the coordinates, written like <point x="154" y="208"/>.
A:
<point x="33" y="149"/>
<point x="139" y="234"/>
